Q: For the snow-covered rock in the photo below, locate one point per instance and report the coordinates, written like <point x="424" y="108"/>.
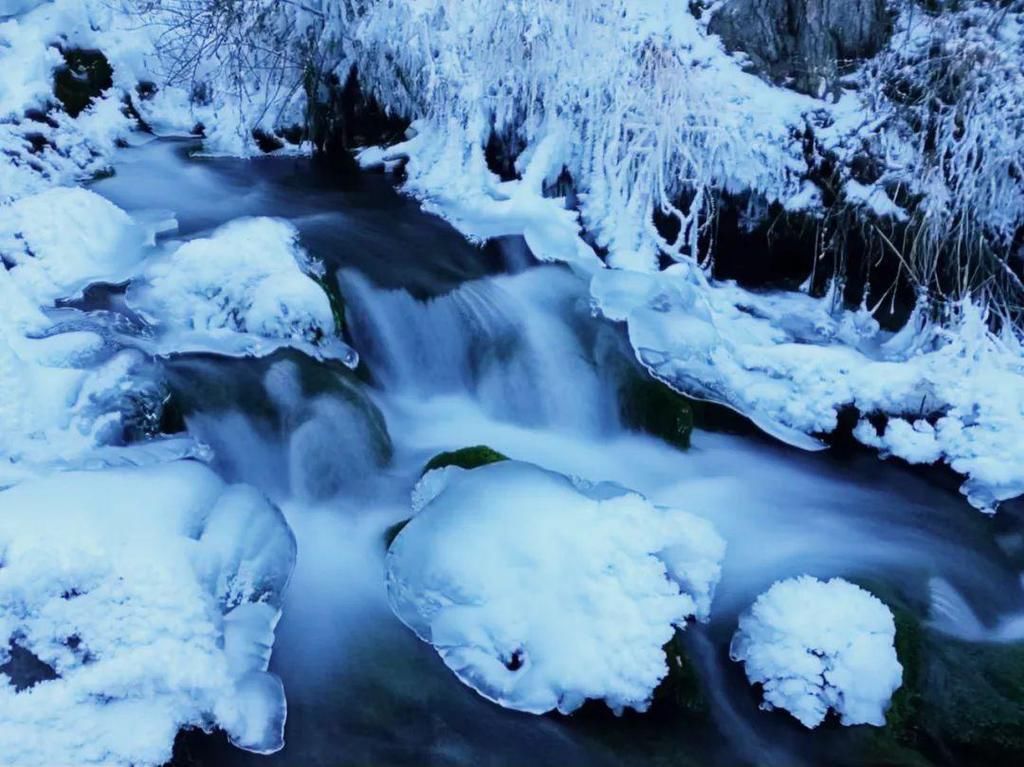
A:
<point x="151" y="596"/>
<point x="59" y="241"/>
<point x="246" y="290"/>
<point x="818" y="645"/>
<point x="540" y="592"/>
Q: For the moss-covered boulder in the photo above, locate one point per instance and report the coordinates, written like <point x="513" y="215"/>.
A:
<point x="83" y="77"/>
<point x="465" y="458"/>
<point x="960" y="702"/>
<point x="651" y="406"/>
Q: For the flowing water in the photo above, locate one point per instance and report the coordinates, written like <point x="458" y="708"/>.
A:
<point x="464" y="346"/>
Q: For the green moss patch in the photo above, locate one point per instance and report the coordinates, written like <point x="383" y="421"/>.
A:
<point x="651" y="406"/>
<point x="465" y="458"/>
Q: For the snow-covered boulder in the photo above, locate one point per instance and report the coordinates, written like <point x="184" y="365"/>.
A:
<point x="540" y="592"/>
<point x="818" y="645"/>
<point x="247" y="290"/>
<point x="145" y="601"/>
<point x="58" y="242"/>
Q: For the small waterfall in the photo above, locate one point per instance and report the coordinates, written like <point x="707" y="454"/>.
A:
<point x="517" y="343"/>
<point x="286" y="425"/>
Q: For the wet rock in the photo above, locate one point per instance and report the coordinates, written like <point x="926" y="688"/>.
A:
<point x="84" y="76"/>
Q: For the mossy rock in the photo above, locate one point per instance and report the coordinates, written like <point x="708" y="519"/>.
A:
<point x="651" y="406"/>
<point x="682" y="688"/>
<point x="465" y="458"/>
<point x="960" y="702"/>
<point x="336" y="300"/>
<point x="84" y="76"/>
<point x="974" y="700"/>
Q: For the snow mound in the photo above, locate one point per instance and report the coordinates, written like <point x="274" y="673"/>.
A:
<point x="790" y="362"/>
<point x="71" y="384"/>
<point x="819" y="645"/>
<point x="247" y="290"/>
<point x="540" y="593"/>
<point x="58" y="242"/>
<point x="146" y="599"/>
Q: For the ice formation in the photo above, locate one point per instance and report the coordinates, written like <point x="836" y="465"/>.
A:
<point x="247" y="289"/>
<point x="151" y="596"/>
<point x="819" y="645"/>
<point x="540" y="593"/>
<point x="952" y="393"/>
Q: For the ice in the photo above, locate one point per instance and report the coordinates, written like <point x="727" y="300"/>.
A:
<point x="818" y="645"/>
<point x="540" y="592"/>
<point x="246" y="290"/>
<point x="152" y="593"/>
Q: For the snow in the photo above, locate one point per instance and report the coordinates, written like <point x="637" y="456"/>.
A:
<point x="152" y="594"/>
<point x="540" y="592"/>
<point x="819" y="645"/>
<point x="246" y="290"/>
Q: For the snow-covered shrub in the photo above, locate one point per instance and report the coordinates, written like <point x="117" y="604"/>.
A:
<point x="251" y="64"/>
<point x="148" y="600"/>
<point x="540" y="593"/>
<point x="818" y="645"/>
<point x="641" y="104"/>
<point x="43" y="144"/>
<point x="248" y="289"/>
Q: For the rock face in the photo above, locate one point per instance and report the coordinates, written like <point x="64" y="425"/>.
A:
<point x="802" y="43"/>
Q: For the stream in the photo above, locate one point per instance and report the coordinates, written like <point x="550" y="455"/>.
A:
<point x="462" y="345"/>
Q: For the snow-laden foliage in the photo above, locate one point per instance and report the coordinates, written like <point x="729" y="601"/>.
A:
<point x="134" y="602"/>
<point x="819" y="645"/>
<point x="948" y="135"/>
<point x="540" y="592"/>
<point x="643" y="105"/>
<point x="950" y="391"/>
<point x="246" y="64"/>
<point x="246" y="290"/>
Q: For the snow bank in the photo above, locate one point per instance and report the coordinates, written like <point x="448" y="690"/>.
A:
<point x="247" y="290"/>
<point x="790" y="362"/>
<point x="151" y="595"/>
<point x="540" y="592"/>
<point x="818" y="645"/>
